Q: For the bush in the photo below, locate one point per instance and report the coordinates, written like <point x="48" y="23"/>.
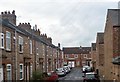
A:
<point x="37" y="75"/>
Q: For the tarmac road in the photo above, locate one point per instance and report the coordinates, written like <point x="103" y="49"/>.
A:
<point x="74" y="76"/>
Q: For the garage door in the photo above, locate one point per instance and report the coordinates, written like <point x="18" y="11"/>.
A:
<point x="72" y="63"/>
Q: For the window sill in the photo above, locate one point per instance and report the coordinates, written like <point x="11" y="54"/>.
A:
<point x="9" y="50"/>
<point x="21" y="52"/>
<point x="2" y="47"/>
<point x="21" y="79"/>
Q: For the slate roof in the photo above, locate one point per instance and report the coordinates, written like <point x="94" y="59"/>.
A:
<point x="114" y="16"/>
<point x="76" y="50"/>
<point x="6" y="23"/>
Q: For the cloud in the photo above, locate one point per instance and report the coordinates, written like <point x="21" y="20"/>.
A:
<point x="72" y="23"/>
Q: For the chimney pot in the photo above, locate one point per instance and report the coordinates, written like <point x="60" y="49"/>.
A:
<point x="5" y="12"/>
<point x="1" y="12"/>
<point x="13" y="12"/>
<point x="8" y="12"/>
<point x="59" y="45"/>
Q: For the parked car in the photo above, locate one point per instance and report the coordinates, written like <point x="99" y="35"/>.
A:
<point x="70" y="66"/>
<point x="52" y="77"/>
<point x="67" y="69"/>
<point x="86" y="69"/>
<point x="61" y="71"/>
<point x="91" y="77"/>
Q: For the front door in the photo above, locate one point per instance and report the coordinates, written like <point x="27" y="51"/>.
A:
<point x="72" y="63"/>
<point x="1" y="73"/>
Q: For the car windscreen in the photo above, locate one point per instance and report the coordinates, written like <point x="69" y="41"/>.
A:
<point x="90" y="75"/>
<point x="60" y="69"/>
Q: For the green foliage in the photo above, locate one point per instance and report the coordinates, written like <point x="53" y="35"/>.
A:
<point x="37" y="75"/>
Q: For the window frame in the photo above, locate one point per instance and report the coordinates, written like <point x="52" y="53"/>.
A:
<point x="2" y="40"/>
<point x="8" y="42"/>
<point x="75" y="55"/>
<point x="66" y="56"/>
<point x="85" y="55"/>
<point x="10" y="70"/>
<point x="31" y="47"/>
<point x="21" y="70"/>
<point x="20" y="44"/>
<point x="31" y="69"/>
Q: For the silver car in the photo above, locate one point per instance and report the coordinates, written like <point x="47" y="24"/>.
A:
<point x="86" y="69"/>
<point x="67" y="69"/>
<point x="60" y="71"/>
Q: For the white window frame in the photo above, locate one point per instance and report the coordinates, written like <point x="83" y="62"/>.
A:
<point x="66" y="56"/>
<point x="30" y="46"/>
<point x="21" y="43"/>
<point x="85" y="55"/>
<point x="1" y="73"/>
<point x="31" y="70"/>
<point x="8" y="43"/>
<point x="75" y="55"/>
<point x="21" y="71"/>
<point x="2" y="40"/>
<point x="10" y="71"/>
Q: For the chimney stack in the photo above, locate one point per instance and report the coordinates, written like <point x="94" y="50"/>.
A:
<point x="59" y="45"/>
<point x="11" y="17"/>
<point x="25" y="26"/>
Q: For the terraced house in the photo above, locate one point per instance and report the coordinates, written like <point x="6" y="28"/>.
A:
<point x="77" y="56"/>
<point x="111" y="45"/>
<point x="93" y="55"/>
<point x="100" y="54"/>
<point x="24" y="50"/>
<point x="108" y="48"/>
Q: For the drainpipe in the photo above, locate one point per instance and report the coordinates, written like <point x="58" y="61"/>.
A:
<point x="46" y="59"/>
<point x="16" y="54"/>
<point x="1" y="67"/>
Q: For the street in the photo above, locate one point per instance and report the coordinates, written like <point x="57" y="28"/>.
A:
<point x="75" y="75"/>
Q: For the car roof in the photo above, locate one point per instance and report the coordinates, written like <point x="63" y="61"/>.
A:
<point x="65" y="66"/>
<point x="86" y="66"/>
<point x="91" y="73"/>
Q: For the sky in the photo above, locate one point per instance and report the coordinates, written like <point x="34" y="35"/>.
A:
<point x="72" y="23"/>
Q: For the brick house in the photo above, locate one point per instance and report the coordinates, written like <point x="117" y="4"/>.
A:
<point x="77" y="56"/>
<point x="24" y="50"/>
<point x="111" y="45"/>
<point x="93" y="55"/>
<point x="100" y="54"/>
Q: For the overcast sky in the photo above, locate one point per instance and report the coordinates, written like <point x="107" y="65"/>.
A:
<point x="69" y="22"/>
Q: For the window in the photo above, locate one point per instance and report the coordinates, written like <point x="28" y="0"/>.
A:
<point x="8" y="41"/>
<point x="20" y="44"/>
<point x="30" y="46"/>
<point x="76" y="56"/>
<point x="9" y="72"/>
<point x="66" y="55"/>
<point x="21" y="71"/>
<point x="31" y="70"/>
<point x="85" y="56"/>
<point x="1" y="40"/>
<point x="1" y="73"/>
